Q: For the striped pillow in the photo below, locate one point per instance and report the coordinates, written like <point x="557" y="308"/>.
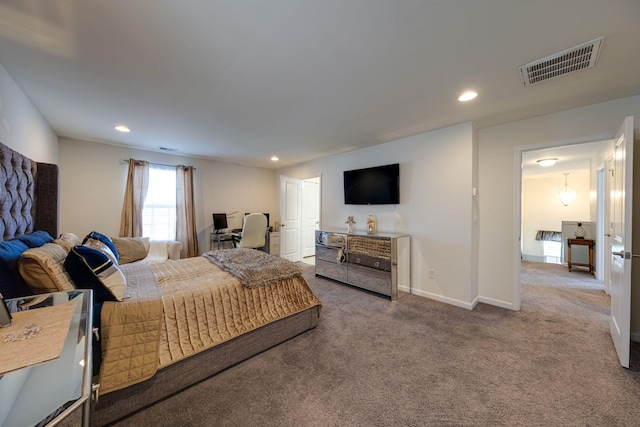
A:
<point x="42" y="269"/>
<point x="94" y="237"/>
<point x="92" y="269"/>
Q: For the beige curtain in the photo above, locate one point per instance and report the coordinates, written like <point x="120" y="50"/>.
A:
<point x="185" y="212"/>
<point x="134" y="195"/>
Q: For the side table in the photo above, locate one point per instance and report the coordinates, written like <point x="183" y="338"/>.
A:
<point x="582" y="242"/>
<point x="45" y="393"/>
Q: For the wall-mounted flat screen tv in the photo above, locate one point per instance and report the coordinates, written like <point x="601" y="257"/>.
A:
<point x="378" y="185"/>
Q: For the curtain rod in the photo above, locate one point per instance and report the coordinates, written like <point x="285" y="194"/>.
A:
<point x="157" y="164"/>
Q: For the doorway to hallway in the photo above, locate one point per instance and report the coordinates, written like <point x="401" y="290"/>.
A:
<point x="300" y="216"/>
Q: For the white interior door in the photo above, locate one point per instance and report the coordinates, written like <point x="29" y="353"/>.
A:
<point x="290" y="218"/>
<point x="310" y="215"/>
<point x="608" y="221"/>
<point x="620" y="241"/>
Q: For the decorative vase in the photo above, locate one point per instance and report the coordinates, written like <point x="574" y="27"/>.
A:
<point x="371" y="225"/>
<point x="579" y="232"/>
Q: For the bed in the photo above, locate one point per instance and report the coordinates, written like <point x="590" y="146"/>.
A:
<point x="165" y="326"/>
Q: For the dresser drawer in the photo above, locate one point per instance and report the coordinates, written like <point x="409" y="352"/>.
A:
<point x="369" y="278"/>
<point x="332" y="270"/>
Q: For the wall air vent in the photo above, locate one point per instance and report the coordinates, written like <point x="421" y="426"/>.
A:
<point x="172" y="150"/>
<point x="565" y="62"/>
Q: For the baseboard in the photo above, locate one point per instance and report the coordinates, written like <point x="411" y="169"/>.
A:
<point x="497" y="303"/>
<point x="451" y="301"/>
<point x="468" y="305"/>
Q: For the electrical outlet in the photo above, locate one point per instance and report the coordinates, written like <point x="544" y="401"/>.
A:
<point x="432" y="274"/>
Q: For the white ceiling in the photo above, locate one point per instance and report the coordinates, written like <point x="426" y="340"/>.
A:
<point x="240" y="81"/>
<point x="572" y="159"/>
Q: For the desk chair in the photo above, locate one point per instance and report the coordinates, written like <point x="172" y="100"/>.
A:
<point x="253" y="233"/>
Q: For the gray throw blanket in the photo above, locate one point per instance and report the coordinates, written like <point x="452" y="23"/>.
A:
<point x="253" y="267"/>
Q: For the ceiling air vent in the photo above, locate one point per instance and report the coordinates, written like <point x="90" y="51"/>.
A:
<point x="565" y="62"/>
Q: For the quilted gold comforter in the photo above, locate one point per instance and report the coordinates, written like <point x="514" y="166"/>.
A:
<point x="181" y="307"/>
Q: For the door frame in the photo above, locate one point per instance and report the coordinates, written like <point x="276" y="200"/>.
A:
<point x="601" y="220"/>
<point x="517" y="223"/>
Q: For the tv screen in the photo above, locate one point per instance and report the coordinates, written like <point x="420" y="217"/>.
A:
<point x="219" y="221"/>
<point x="378" y="185"/>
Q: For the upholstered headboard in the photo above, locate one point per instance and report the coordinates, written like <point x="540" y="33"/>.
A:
<point x="28" y="195"/>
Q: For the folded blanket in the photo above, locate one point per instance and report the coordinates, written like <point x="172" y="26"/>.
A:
<point x="252" y="267"/>
<point x="130" y="331"/>
<point x="554" y="236"/>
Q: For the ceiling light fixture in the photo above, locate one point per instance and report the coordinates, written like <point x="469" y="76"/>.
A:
<point x="275" y="158"/>
<point x="467" y="96"/>
<point x="566" y="193"/>
<point x="122" y="128"/>
<point x="547" y="162"/>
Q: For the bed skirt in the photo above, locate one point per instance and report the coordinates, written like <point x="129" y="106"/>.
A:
<point x="179" y="376"/>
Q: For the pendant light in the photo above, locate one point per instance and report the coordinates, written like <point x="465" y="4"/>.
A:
<point x="566" y="193"/>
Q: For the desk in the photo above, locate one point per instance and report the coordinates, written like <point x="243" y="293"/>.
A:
<point x="46" y="393"/>
<point x="581" y="242"/>
<point x="220" y="238"/>
<point x="271" y="243"/>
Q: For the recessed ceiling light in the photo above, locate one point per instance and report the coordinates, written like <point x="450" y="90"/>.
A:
<point x="467" y="96"/>
<point x="547" y="162"/>
<point x="122" y="128"/>
<point x="275" y="158"/>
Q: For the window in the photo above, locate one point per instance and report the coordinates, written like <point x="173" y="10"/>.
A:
<point x="159" y="211"/>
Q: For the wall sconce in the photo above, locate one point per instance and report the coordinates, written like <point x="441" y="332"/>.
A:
<point x="566" y="193"/>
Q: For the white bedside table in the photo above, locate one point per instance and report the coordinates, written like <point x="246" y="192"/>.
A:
<point x="47" y="392"/>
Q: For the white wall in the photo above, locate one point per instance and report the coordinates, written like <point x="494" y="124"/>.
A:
<point x="436" y="179"/>
<point x="22" y="127"/>
<point x="497" y="275"/>
<point x="542" y="209"/>
<point x="436" y="204"/>
<point x="93" y="177"/>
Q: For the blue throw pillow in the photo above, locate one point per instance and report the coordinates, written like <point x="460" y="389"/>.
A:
<point x="102" y="247"/>
<point x="91" y="269"/>
<point x="104" y="239"/>
<point x="11" y="250"/>
<point x="36" y="239"/>
<point x="11" y="284"/>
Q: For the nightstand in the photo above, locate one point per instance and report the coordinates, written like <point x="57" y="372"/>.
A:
<point x="45" y="393"/>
